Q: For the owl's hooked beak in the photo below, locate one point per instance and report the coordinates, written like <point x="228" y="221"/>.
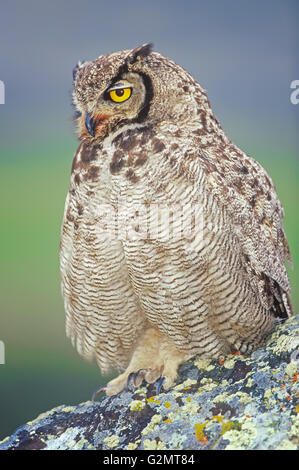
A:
<point x="90" y="124"/>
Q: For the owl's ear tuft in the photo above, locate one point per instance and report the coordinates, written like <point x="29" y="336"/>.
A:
<point x="77" y="67"/>
<point x="140" y="51"/>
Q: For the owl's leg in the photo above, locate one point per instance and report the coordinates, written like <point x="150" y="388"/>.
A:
<point x="146" y="360"/>
<point x="154" y="357"/>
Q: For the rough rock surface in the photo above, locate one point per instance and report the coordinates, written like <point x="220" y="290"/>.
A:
<point x="240" y="403"/>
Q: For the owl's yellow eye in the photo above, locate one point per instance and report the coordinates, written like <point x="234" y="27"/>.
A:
<point x="121" y="94"/>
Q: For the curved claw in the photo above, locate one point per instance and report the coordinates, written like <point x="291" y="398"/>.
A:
<point x="95" y="393"/>
<point x="159" y="385"/>
<point x="130" y="376"/>
<point x="135" y="376"/>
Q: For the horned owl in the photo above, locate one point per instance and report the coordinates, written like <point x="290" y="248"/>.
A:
<point x="142" y="294"/>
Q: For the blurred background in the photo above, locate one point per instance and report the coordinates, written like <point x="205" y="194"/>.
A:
<point x="244" y="53"/>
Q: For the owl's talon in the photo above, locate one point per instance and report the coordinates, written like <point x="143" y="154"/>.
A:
<point x="97" y="391"/>
<point x="159" y="385"/>
<point x="130" y="376"/>
<point x="138" y="375"/>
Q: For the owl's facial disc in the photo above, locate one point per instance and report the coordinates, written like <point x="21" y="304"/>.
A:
<point x="117" y="94"/>
<point x="120" y="102"/>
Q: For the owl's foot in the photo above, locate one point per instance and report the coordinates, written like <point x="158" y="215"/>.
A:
<point x="145" y="364"/>
<point x="155" y="359"/>
<point x="149" y="375"/>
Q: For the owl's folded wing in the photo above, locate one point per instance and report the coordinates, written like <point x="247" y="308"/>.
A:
<point x="243" y="188"/>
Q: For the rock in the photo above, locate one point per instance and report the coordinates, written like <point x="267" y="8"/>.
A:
<point x="240" y="403"/>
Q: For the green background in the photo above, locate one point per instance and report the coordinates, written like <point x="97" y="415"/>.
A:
<point x="243" y="53"/>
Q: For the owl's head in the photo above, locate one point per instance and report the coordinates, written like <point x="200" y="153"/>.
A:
<point x="132" y="86"/>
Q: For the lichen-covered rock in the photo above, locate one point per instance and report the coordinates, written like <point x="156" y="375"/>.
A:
<point x="240" y="403"/>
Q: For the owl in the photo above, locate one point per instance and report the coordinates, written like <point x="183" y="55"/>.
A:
<point x="172" y="242"/>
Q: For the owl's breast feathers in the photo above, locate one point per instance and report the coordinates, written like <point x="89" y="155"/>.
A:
<point x="239" y="184"/>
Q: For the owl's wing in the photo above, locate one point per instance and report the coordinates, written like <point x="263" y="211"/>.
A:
<point x="244" y="189"/>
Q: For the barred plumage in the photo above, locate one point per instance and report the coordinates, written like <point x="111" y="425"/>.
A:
<point x="172" y="242"/>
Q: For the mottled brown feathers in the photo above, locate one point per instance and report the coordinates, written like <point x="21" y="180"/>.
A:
<point x="172" y="241"/>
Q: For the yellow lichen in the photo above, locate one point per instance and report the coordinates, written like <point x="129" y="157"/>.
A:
<point x="156" y="419"/>
<point x="204" y="364"/>
<point x="136" y="405"/>
<point x="208" y="385"/>
<point x="111" y="441"/>
<point x="153" y="400"/>
<point x="249" y="382"/>
<point x="267" y="393"/>
<point x="43" y="415"/>
<point x="132" y="445"/>
<point x="244" y="398"/>
<point x="286" y="445"/>
<point x="4" y="440"/>
<point x="70" y="429"/>
<point x="218" y="418"/>
<point x="291" y="369"/>
<point x="153" y="445"/>
<point x="229" y="362"/>
<point x="67" y="409"/>
<point x="242" y="435"/>
<point x="172" y="416"/>
<point x="294" y="431"/>
<point x="81" y="443"/>
<point x="222" y="397"/>
<point x="228" y="426"/>
<point x="141" y="390"/>
<point x="199" y="432"/>
<point x="151" y="425"/>
<point x="71" y="444"/>
<point x="185" y="385"/>
<point x="190" y="408"/>
<point x="224" y="383"/>
<point x="177" y="394"/>
<point x="285" y="343"/>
